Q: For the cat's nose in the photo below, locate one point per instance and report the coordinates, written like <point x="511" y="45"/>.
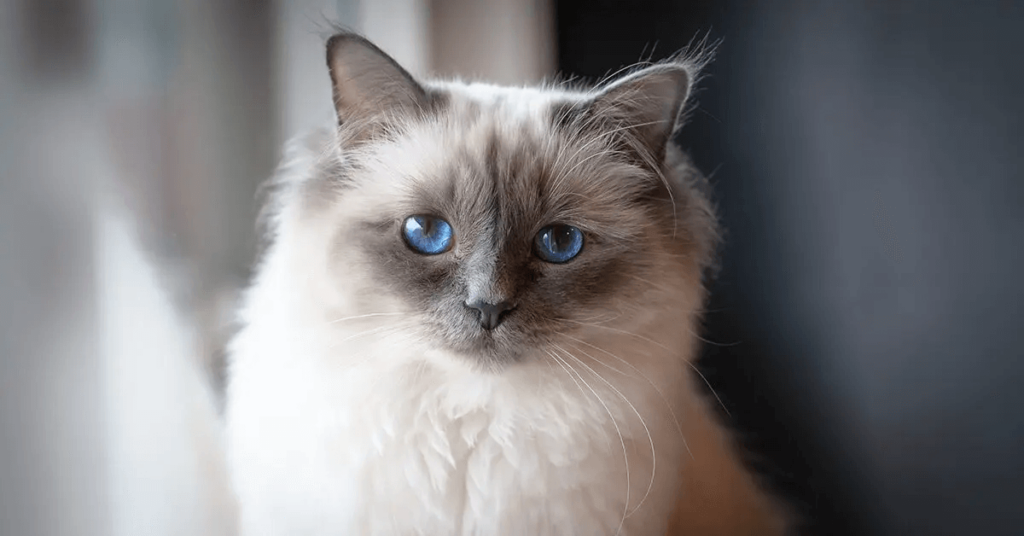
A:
<point x="491" y="314"/>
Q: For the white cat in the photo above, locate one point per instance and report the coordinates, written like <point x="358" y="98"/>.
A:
<point x="476" y="315"/>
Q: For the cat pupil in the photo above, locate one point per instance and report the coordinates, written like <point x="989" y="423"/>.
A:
<point x="563" y="237"/>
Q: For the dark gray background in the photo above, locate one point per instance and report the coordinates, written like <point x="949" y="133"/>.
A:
<point x="867" y="163"/>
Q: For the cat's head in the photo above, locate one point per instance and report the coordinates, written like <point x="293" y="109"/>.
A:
<point x="496" y="223"/>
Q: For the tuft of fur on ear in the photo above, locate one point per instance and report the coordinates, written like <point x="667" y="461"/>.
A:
<point x="646" y="105"/>
<point x="368" y="85"/>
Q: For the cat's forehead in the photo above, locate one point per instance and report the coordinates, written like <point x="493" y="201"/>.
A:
<point x="507" y="135"/>
<point x="496" y="154"/>
<point x="509" y="103"/>
<point x="475" y="121"/>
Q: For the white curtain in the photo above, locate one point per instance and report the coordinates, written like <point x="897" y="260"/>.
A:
<point x="133" y="136"/>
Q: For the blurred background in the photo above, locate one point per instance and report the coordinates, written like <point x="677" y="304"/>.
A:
<point x="866" y="158"/>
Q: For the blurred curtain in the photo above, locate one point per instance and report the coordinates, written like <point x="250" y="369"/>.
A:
<point x="52" y="458"/>
<point x="133" y="136"/>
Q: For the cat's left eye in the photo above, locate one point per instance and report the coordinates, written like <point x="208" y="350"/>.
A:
<point x="428" y="235"/>
<point x="558" y="243"/>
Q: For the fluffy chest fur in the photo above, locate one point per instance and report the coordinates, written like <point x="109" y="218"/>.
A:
<point x="408" y="448"/>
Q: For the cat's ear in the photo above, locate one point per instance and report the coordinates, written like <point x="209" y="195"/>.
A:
<point x="646" y="105"/>
<point x="368" y="84"/>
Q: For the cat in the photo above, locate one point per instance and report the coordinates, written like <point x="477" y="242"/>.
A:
<point x="476" y="314"/>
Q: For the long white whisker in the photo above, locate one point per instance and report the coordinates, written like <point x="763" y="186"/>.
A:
<point x="625" y="455"/>
<point x="573" y="378"/>
<point x="672" y="412"/>
<point x="605" y="365"/>
<point x="650" y="438"/>
<point x="652" y="284"/>
<point x="362" y="316"/>
<point x="656" y="343"/>
<point x="602" y="318"/>
<point x="364" y="333"/>
<point x="688" y="330"/>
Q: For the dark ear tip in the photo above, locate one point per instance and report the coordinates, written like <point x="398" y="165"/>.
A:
<point x="338" y="40"/>
<point x="344" y="37"/>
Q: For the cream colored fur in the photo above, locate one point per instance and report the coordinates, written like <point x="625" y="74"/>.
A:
<point x="343" y="418"/>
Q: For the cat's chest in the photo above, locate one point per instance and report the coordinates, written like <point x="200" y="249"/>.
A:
<point x="391" y="455"/>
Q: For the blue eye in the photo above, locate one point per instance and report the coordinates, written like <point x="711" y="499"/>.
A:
<point x="558" y="243"/>
<point x="427" y="235"/>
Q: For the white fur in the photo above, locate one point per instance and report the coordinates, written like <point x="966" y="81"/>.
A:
<point x="342" y="420"/>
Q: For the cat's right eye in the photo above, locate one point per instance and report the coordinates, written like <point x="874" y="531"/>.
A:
<point x="428" y="235"/>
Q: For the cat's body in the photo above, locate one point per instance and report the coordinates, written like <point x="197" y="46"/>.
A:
<point x="371" y="393"/>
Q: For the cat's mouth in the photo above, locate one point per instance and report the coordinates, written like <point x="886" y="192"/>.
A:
<point x="484" y="334"/>
<point x="490" y="343"/>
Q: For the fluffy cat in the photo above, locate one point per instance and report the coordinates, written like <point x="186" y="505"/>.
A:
<point x="476" y="315"/>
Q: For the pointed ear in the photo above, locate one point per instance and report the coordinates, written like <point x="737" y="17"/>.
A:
<point x="646" y="105"/>
<point x="368" y="84"/>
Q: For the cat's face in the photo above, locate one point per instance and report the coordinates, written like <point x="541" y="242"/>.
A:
<point x="504" y="220"/>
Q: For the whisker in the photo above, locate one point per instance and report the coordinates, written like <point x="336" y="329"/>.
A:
<point x="372" y="331"/>
<point x="688" y="330"/>
<point x="650" y="438"/>
<point x="603" y="318"/>
<point x="377" y="329"/>
<point x="652" y="341"/>
<point x="561" y="363"/>
<point x="362" y="316"/>
<point x="664" y="399"/>
<point x="654" y="285"/>
<point x="625" y="455"/>
<point x="606" y="365"/>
